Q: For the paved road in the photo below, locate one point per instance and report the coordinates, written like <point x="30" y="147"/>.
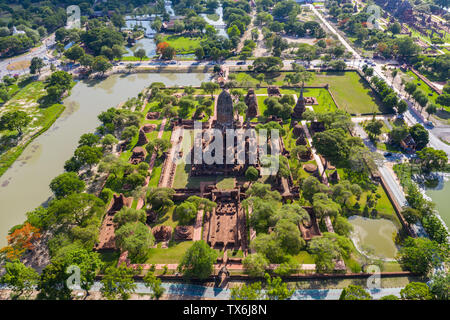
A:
<point x="40" y="51"/>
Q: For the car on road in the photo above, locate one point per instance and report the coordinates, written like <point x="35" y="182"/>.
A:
<point x="173" y="62"/>
<point x="387" y="154"/>
<point x="239" y="63"/>
<point x="429" y="124"/>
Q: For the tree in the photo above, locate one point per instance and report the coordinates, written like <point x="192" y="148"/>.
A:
<point x="88" y="155"/>
<point x="323" y="206"/>
<point x="353" y="292"/>
<point x="395" y="28"/>
<point x="53" y="282"/>
<point x="101" y="64"/>
<point x="288" y="235"/>
<point x="420" y="136"/>
<point x="431" y="109"/>
<point x="74" y="53"/>
<point x="75" y="208"/>
<point x="88" y="139"/>
<point x="397" y="134"/>
<point x="14" y="120"/>
<point x="152" y="282"/>
<point x="20" y="239"/>
<point x="87" y="61"/>
<point x="158" y="145"/>
<point x="88" y="262"/>
<point x="390" y="101"/>
<point x="332" y="144"/>
<point x="416" y="291"/>
<point x="118" y="282"/>
<point x="311" y="186"/>
<point x="210" y="87"/>
<point x="443" y="99"/>
<point x="20" y="279"/>
<point x="66" y="184"/>
<point x="432" y="159"/>
<point x="435" y="229"/>
<point x="36" y="65"/>
<point x="108" y="141"/>
<point x="251" y="291"/>
<point x="402" y="106"/>
<point x="420" y="255"/>
<point x="186" y="212"/>
<point x="440" y="285"/>
<point x="276" y="289"/>
<point x="168" y="53"/>
<point x="198" y="260"/>
<point x="267" y="64"/>
<point x="374" y="128"/>
<point x="411" y="215"/>
<point x="410" y="87"/>
<point x="389" y="297"/>
<point x="160" y="198"/>
<point x="140" y="53"/>
<point x="126" y="215"/>
<point x="136" y="238"/>
<point x="255" y="264"/>
<point x="252" y="174"/>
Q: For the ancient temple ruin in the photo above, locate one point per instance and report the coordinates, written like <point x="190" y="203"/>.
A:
<point x="252" y="103"/>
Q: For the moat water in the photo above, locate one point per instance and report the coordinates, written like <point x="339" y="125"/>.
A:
<point x="25" y="185"/>
<point x="374" y="237"/>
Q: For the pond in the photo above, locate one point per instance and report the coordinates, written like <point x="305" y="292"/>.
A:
<point x="24" y="186"/>
<point x="440" y="195"/>
<point x="374" y="237"/>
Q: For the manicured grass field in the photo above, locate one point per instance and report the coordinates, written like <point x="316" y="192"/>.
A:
<point x="173" y="254"/>
<point x="182" y="44"/>
<point x="351" y="92"/>
<point x="304" y="257"/>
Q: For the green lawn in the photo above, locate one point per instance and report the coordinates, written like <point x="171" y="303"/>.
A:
<point x="173" y="254"/>
<point x="351" y="92"/>
<point x="304" y="257"/>
<point x="182" y="44"/>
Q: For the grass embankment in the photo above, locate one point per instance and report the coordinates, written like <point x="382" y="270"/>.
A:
<point x="26" y="99"/>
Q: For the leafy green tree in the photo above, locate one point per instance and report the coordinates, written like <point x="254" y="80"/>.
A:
<point x="101" y="64"/>
<point x="267" y="64"/>
<point x="158" y="145"/>
<point x="198" y="260"/>
<point x="118" y="283"/>
<point x="443" y="99"/>
<point x="410" y="87"/>
<point x="420" y="255"/>
<point x="88" y="139"/>
<point x="411" y="215"/>
<point x="255" y="264"/>
<point x="140" y="54"/>
<point x="432" y="159"/>
<point x="402" y="106"/>
<point x="252" y="291"/>
<point x="89" y="264"/>
<point x="74" y="53"/>
<point x="420" y="136"/>
<point x="288" y="235"/>
<point x="136" y="238"/>
<point x="53" y="282"/>
<point x="160" y="198"/>
<point x="374" y="128"/>
<point x="311" y="186"/>
<point x="108" y="141"/>
<point x="88" y="155"/>
<point x="389" y="297"/>
<point x="186" y="212"/>
<point x="416" y="291"/>
<point x="66" y="183"/>
<point x="435" y="229"/>
<point x="276" y="289"/>
<point x="440" y="285"/>
<point x="126" y="215"/>
<point x="152" y="282"/>
<point x="75" y="208"/>
<point x="20" y="278"/>
<point x="36" y="65"/>
<point x="209" y="87"/>
<point x="332" y="144"/>
<point x="252" y="174"/>
<point x="14" y="120"/>
<point x="353" y="292"/>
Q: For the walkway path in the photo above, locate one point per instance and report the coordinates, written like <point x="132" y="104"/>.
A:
<point x="140" y="203"/>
